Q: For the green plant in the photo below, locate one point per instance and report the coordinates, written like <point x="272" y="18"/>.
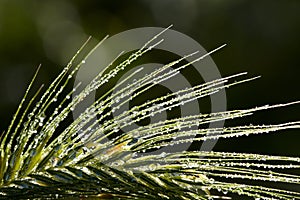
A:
<point x="38" y="159"/>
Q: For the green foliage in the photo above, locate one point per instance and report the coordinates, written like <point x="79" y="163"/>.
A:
<point x="39" y="159"/>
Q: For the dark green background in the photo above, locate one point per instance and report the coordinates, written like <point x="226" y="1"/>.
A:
<point x="262" y="37"/>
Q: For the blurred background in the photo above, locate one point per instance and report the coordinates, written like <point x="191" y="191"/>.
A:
<point x="262" y="37"/>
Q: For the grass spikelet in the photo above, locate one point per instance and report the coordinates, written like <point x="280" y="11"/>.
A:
<point x="39" y="159"/>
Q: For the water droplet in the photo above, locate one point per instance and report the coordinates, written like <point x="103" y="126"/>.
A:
<point x="152" y="167"/>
